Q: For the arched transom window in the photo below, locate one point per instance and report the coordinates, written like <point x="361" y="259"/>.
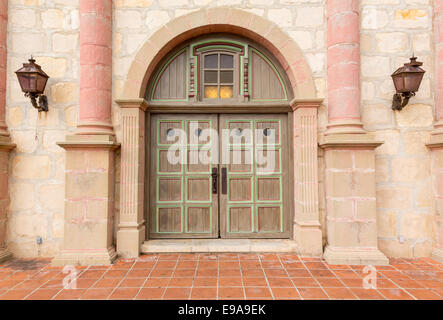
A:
<point x="219" y="70"/>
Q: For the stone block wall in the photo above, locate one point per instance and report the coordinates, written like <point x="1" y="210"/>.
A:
<point x="390" y="31"/>
<point x="49" y="31"/>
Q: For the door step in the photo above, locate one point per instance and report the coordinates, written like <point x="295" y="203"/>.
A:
<point x="218" y="245"/>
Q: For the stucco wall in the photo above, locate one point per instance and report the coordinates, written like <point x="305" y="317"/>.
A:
<point x="49" y="30"/>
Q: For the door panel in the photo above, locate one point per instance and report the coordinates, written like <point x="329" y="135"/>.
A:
<point x="255" y="204"/>
<point x="183" y="205"/>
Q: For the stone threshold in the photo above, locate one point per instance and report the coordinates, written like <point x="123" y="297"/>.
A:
<point x="218" y="245"/>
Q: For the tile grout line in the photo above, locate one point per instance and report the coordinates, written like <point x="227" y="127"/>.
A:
<point x="342" y="282"/>
<point x="289" y="277"/>
<point x="147" y="277"/>
<point x="315" y="278"/>
<point x="121" y="280"/>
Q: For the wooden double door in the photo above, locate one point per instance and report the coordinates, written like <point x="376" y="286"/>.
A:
<point x="219" y="176"/>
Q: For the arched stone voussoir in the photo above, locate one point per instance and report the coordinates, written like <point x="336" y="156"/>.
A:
<point x="215" y="20"/>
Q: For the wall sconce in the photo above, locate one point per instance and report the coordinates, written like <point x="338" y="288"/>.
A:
<point x="407" y="80"/>
<point x="33" y="80"/>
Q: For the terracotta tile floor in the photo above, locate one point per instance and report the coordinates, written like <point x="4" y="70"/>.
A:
<point x="222" y="276"/>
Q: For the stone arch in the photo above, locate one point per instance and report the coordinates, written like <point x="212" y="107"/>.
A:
<point x="213" y="20"/>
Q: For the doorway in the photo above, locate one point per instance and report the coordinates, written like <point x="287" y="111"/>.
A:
<point x="219" y="176"/>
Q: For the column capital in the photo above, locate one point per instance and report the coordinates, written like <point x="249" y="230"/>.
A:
<point x="140" y="103"/>
<point x="305" y="103"/>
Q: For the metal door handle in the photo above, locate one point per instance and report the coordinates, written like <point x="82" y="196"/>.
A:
<point x="224" y="182"/>
<point x="214" y="180"/>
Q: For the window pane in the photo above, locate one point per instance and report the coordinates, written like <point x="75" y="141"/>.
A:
<point x="226" y="76"/>
<point x="211" y="61"/>
<point x="226" y="61"/>
<point x="211" y="77"/>
<point x="226" y="92"/>
<point x="211" y="92"/>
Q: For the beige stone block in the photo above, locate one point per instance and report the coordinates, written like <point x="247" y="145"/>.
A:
<point x="382" y="170"/>
<point x="391" y="42"/>
<point x="28" y="225"/>
<point x="133" y="3"/>
<point x="422" y="249"/>
<point x="343" y="234"/>
<point x="62" y="42"/>
<point x="310" y="16"/>
<point x="424" y="197"/>
<point x="339" y="184"/>
<point x="156" y="18"/>
<point x="25" y="141"/>
<point x="414" y="142"/>
<point x="394" y="198"/>
<point x="64" y="92"/>
<point x="421" y="42"/>
<point x="52" y="18"/>
<point x="15" y="116"/>
<point x="128" y="19"/>
<point x="393" y="248"/>
<point x="415" y="170"/>
<point x="366" y="209"/>
<point x="50" y="139"/>
<point x="363" y="184"/>
<point x="338" y="159"/>
<point x="71" y="116"/>
<point x="76" y="160"/>
<point x="52" y="197"/>
<point x="22" y="196"/>
<point x="375" y="66"/>
<point x="411" y="18"/>
<point x="54" y="67"/>
<point x="415" y="115"/>
<point x="377" y="115"/>
<point x="31" y="167"/>
<point x="303" y="39"/>
<point x="58" y="224"/>
<point x="367" y="236"/>
<point x="49" y="118"/>
<point x="92" y="184"/>
<point x="24" y="18"/>
<point x="340" y="208"/>
<point x="25" y="43"/>
<point x="391" y="139"/>
<point x="98" y="160"/>
<point x="364" y="159"/>
<point x="416" y="226"/>
<point x="386" y="224"/>
<point x="282" y="17"/>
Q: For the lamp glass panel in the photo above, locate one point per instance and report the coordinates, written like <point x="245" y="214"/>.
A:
<point x="399" y="83"/>
<point x="412" y="82"/>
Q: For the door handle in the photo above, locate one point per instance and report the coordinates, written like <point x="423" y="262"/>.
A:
<point x="224" y="185"/>
<point x="214" y="180"/>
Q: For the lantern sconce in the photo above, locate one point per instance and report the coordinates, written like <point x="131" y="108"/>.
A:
<point x="407" y="80"/>
<point x="33" y="81"/>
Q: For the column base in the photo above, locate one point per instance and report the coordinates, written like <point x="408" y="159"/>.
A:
<point x="437" y="255"/>
<point x="129" y="241"/>
<point x="309" y="240"/>
<point x="92" y="257"/>
<point x="357" y="256"/>
<point x="5" y="255"/>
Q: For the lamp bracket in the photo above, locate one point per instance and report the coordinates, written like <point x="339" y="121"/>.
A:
<point x="400" y="100"/>
<point x="42" y="104"/>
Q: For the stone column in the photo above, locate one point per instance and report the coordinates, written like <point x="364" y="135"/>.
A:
<point x="307" y="228"/>
<point x="349" y="150"/>
<point x="131" y="229"/>
<point x="5" y="140"/>
<point x="89" y="195"/>
<point x="436" y="141"/>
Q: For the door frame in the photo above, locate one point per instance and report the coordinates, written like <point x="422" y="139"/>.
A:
<point x="263" y="108"/>
<point x="135" y="120"/>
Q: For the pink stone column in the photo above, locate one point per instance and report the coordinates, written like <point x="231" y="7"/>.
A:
<point x="95" y="67"/>
<point x="343" y="66"/>
<point x="438" y="33"/>
<point x="3" y="51"/>
<point x="436" y="141"/>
